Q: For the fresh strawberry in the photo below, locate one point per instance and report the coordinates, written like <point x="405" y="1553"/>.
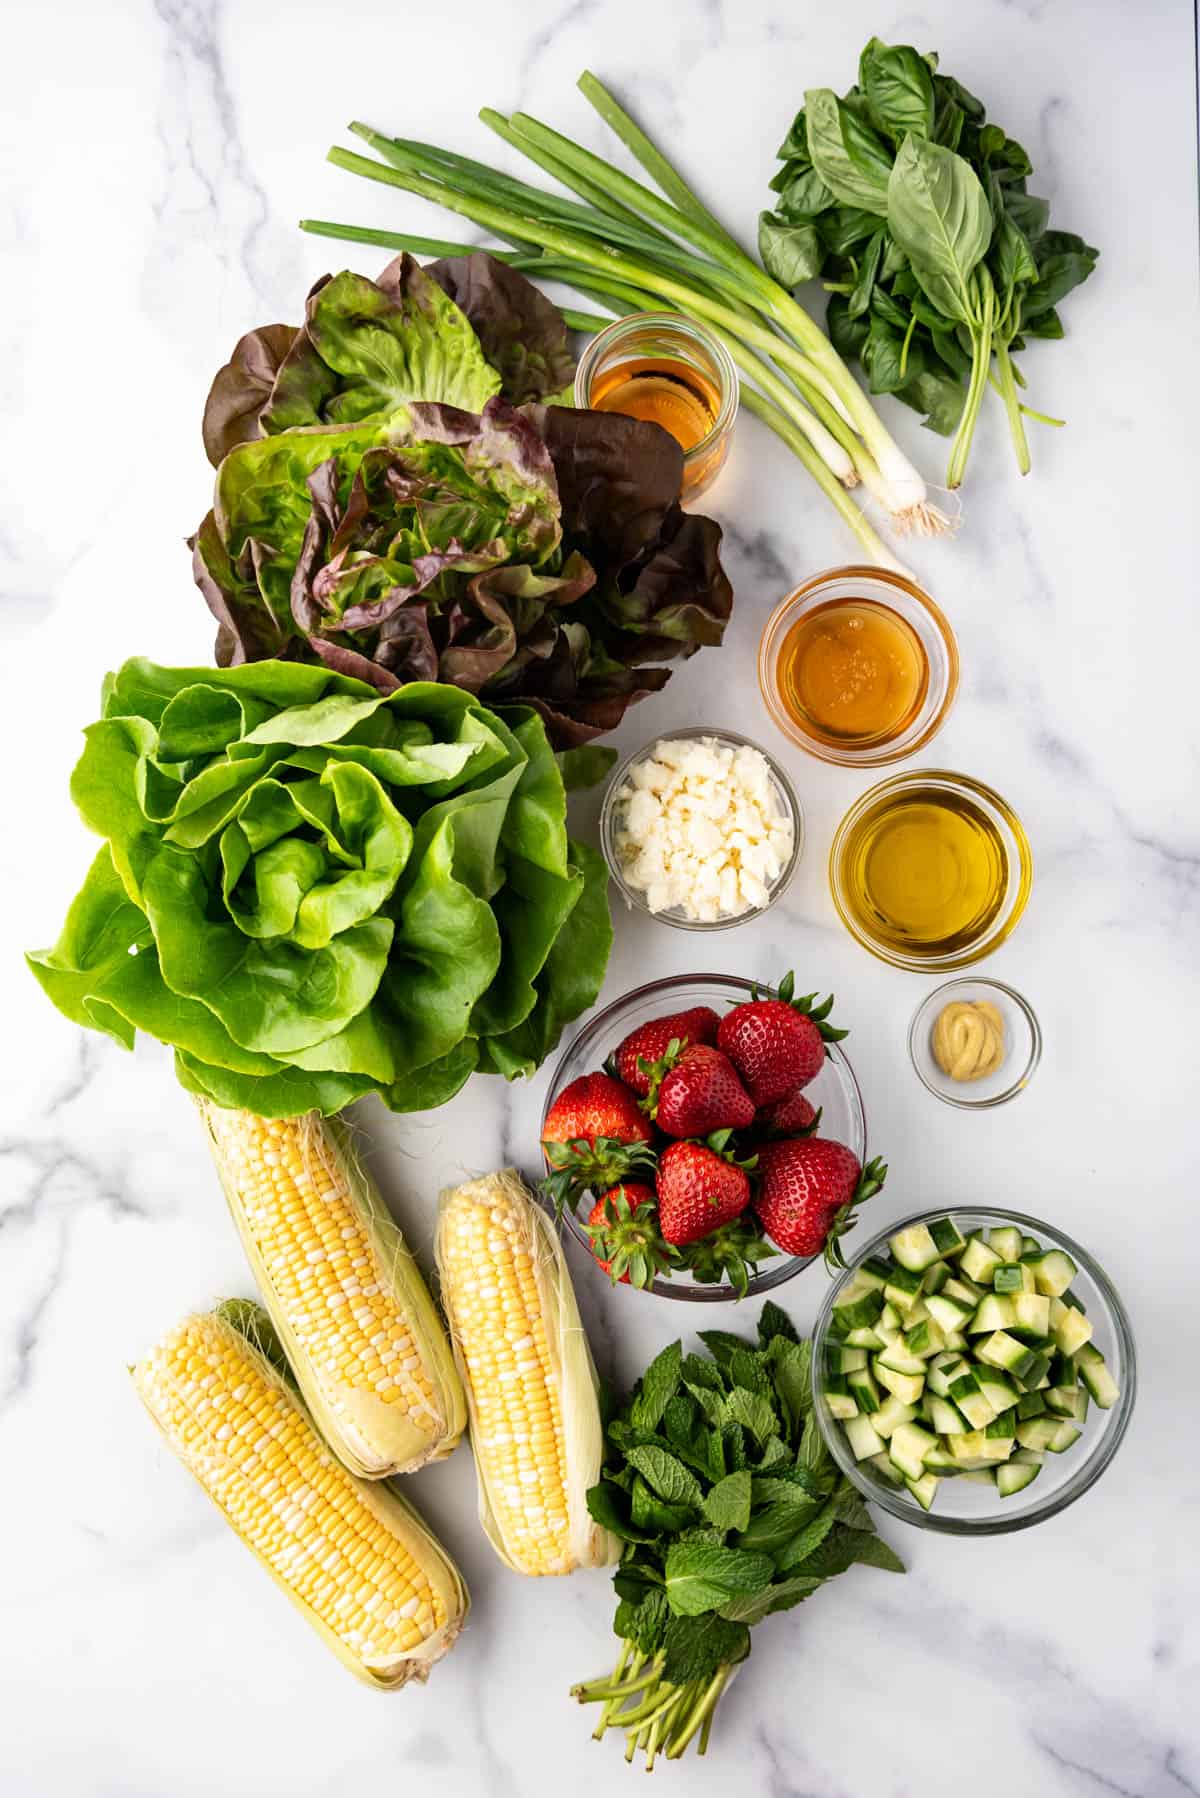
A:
<point x="806" y="1189"/>
<point x="792" y="1116"/>
<point x="594" y="1134"/>
<point x="700" y="1092"/>
<point x="623" y="1227"/>
<point x="635" y="1058"/>
<point x="777" y="1045"/>
<point x="699" y="1189"/>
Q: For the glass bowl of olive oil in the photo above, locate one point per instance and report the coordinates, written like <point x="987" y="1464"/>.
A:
<point x="858" y="666"/>
<point x="667" y="370"/>
<point x="930" y="870"/>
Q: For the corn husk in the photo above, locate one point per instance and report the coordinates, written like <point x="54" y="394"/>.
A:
<point x="373" y="1438"/>
<point x="249" y="1329"/>
<point x="572" y="1374"/>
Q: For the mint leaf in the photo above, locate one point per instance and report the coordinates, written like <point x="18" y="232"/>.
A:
<point x="694" y="1647"/>
<point x="780" y="1597"/>
<point x="659" y="1383"/>
<point x="748" y="1369"/>
<point x="773" y="1322"/>
<point x="873" y="1551"/>
<point x="772" y="1528"/>
<point x="696" y="1371"/>
<point x="606" y="1504"/>
<point x="850" y="1509"/>
<point x="643" y="1620"/>
<point x="807" y="1541"/>
<point x="702" y="1578"/>
<point x="649" y="1512"/>
<point x="753" y="1412"/>
<point x="728" y="1504"/>
<point x="711" y="1403"/>
<point x="666" y="1474"/>
<point x="792" y="1366"/>
<point x="723" y="1345"/>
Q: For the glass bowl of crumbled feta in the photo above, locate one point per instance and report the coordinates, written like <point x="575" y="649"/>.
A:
<point x="701" y="828"/>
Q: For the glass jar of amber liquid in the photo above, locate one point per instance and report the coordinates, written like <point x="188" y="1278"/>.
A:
<point x="670" y="371"/>
<point x="930" y="870"/>
<point x="858" y="666"/>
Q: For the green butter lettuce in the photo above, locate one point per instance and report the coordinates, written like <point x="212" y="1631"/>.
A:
<point x="312" y="890"/>
<point x="395" y="499"/>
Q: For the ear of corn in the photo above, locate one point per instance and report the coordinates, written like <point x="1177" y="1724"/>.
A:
<point x="531" y="1386"/>
<point x="348" y="1301"/>
<point x="356" y="1559"/>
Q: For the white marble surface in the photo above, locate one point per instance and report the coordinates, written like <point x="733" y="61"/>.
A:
<point x="155" y="157"/>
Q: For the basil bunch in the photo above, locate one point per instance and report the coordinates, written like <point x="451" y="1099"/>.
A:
<point x="915" y="212"/>
<point x="719" y="1484"/>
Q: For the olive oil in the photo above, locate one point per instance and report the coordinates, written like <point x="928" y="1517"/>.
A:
<point x="660" y="390"/>
<point x="852" y="672"/>
<point x="924" y="872"/>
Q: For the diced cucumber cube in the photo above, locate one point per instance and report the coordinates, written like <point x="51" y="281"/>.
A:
<point x="1065" y="1436"/>
<point x="897" y="1357"/>
<point x="949" y="1314"/>
<point x="841" y="1405"/>
<point x="941" y="1370"/>
<point x="883" y="1467"/>
<point x="1069" y="1327"/>
<point x="935" y="1278"/>
<point x="1095" y="1374"/>
<point x="956" y="1339"/>
<point x="945" y="1416"/>
<point x="1031" y="1314"/>
<point x="1052" y="1272"/>
<point x="890" y="1415"/>
<point x="975" y="1408"/>
<point x="1029" y="1457"/>
<point x="995" y="1311"/>
<point x="1036" y="1375"/>
<point x="940" y="1462"/>
<point x="907" y="1387"/>
<point x="1030" y="1245"/>
<point x="862" y="1310"/>
<point x="1030" y="1404"/>
<point x="996" y="1387"/>
<point x="845" y="1360"/>
<point x="1003" y="1350"/>
<point x="908" y="1448"/>
<point x="924" y="1339"/>
<point x="924" y="1490"/>
<point x="985" y="1476"/>
<point x="863" y="1337"/>
<point x="1010" y="1276"/>
<point x="1014" y="1477"/>
<point x="914" y="1248"/>
<point x="876" y="1270"/>
<point x="979" y="1262"/>
<point x="947" y="1236"/>
<point x="864" y="1439"/>
<point x="862" y="1388"/>
<point x="978" y="1447"/>
<point x="917" y="1315"/>
<point x="1005" y="1425"/>
<point x="889" y="1318"/>
<point x="903" y="1289"/>
<point x="965" y="1291"/>
<point x="1006" y="1241"/>
<point x="1038" y="1432"/>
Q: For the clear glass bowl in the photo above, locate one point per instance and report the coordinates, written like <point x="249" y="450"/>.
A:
<point x="1022" y="1045"/>
<point x="835" y="1091"/>
<point x="914" y="606"/>
<point x="1018" y="859"/>
<point x="965" y="1507"/>
<point x="786" y="799"/>
<point x="670" y="336"/>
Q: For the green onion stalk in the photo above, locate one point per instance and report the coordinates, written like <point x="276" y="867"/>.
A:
<point x="617" y="240"/>
<point x="656" y="1716"/>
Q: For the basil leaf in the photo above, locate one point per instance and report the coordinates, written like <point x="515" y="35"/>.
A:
<point x="883" y="356"/>
<point x="850" y="159"/>
<point x="885" y="307"/>
<point x="700" y="1577"/>
<point x="796" y="141"/>
<point x="842" y="231"/>
<point x="939" y="214"/>
<point x="860" y="299"/>
<point x="804" y="196"/>
<point x="1063" y="260"/>
<point x="1012" y="260"/>
<point x="899" y="89"/>
<point x="1029" y="212"/>
<point x="939" y="396"/>
<point x="846" y="334"/>
<point x="790" y="253"/>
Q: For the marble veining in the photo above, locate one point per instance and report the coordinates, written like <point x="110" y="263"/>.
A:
<point x="154" y="156"/>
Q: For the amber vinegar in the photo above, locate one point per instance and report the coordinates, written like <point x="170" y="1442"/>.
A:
<point x="661" y="390"/>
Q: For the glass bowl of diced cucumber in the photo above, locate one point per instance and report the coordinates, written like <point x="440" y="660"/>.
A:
<point x="973" y="1371"/>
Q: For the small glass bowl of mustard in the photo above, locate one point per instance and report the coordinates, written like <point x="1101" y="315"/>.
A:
<point x="667" y="370"/>
<point x="858" y="666"/>
<point x="975" y="1044"/>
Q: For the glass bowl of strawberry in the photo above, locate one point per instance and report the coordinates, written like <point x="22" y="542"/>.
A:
<point x="705" y="1137"/>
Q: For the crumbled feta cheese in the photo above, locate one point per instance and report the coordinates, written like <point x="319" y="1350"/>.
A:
<point x="701" y="828"/>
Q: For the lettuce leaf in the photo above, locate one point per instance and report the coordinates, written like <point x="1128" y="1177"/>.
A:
<point x="312" y="890"/>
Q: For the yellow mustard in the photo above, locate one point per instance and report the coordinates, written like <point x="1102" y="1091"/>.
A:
<point x="968" y="1039"/>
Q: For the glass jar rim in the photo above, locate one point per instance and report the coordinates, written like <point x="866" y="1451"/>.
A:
<point x="628" y="326"/>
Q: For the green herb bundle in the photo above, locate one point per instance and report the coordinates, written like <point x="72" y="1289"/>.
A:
<point x="730" y="1507"/>
<point x="939" y="262"/>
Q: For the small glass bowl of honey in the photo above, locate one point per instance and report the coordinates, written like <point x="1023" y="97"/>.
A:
<point x="858" y="666"/>
<point x="930" y="870"/>
<point x="667" y="370"/>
